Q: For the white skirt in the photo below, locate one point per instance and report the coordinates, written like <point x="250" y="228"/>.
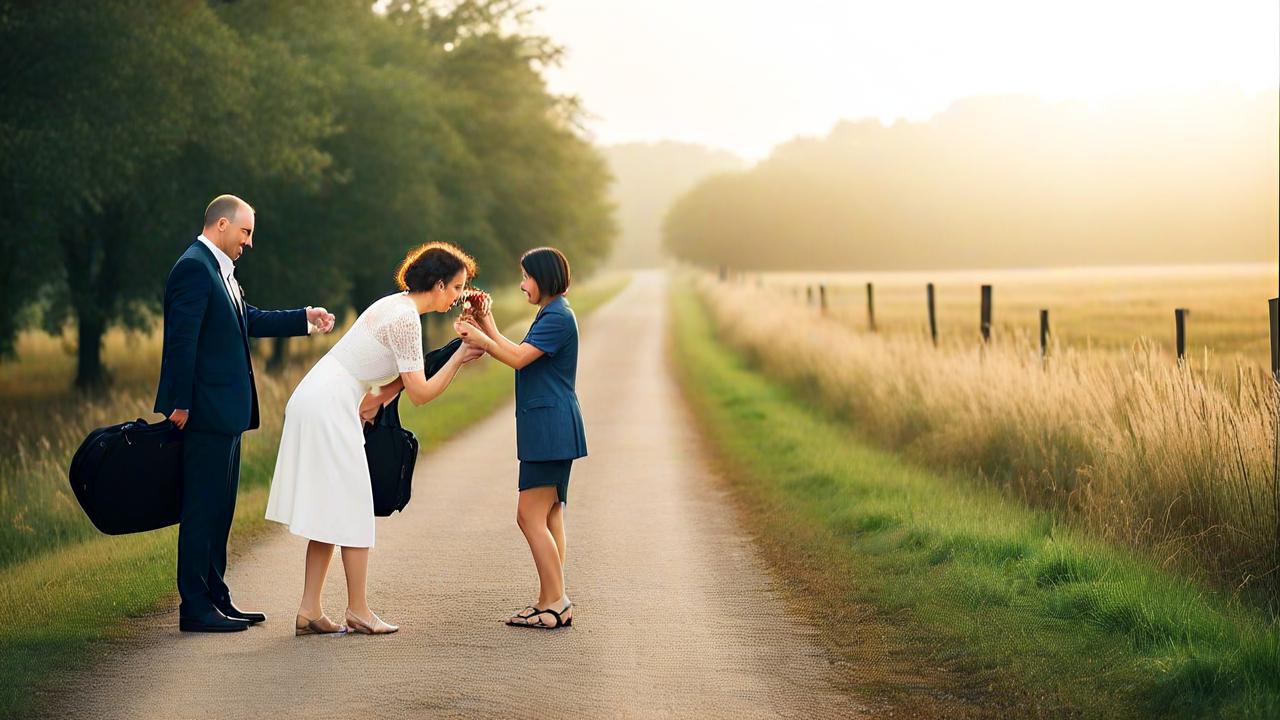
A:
<point x="321" y="486"/>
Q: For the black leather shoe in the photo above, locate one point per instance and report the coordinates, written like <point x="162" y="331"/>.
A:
<point x="253" y="618"/>
<point x="211" y="621"/>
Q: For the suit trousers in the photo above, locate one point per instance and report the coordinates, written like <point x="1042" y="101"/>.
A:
<point x="211" y="476"/>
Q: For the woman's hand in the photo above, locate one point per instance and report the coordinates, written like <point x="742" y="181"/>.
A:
<point x="470" y="352"/>
<point x="371" y="401"/>
<point x="472" y="335"/>
<point x="369" y="406"/>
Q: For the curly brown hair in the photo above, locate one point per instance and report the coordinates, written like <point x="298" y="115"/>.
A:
<point x="434" y="262"/>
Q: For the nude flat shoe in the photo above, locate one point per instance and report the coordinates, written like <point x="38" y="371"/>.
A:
<point x="320" y="626"/>
<point x="373" y="626"/>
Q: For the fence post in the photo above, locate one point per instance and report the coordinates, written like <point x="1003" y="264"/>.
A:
<point x="822" y="298"/>
<point x="986" y="313"/>
<point x="1180" y="332"/>
<point x="871" y="308"/>
<point x="1273" y="306"/>
<point x="724" y="273"/>
<point x="1044" y="333"/>
<point x="933" y="318"/>
<point x="808" y="294"/>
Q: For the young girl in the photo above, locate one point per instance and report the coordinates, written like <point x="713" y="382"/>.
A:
<point x="549" y="433"/>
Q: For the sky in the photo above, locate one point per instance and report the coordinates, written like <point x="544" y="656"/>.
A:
<point x="746" y="75"/>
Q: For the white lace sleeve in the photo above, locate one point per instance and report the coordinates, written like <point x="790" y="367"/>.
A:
<point x="403" y="335"/>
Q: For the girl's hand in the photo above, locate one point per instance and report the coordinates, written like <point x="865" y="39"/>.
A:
<point x="487" y="322"/>
<point x="472" y="335"/>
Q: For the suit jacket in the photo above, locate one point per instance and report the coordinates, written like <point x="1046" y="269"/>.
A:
<point x="206" y="366"/>
<point x="548" y="417"/>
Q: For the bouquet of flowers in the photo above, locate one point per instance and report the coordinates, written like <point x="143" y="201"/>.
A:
<point x="475" y="305"/>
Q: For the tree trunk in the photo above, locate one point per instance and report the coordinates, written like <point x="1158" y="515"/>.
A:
<point x="92" y="270"/>
<point x="90" y="372"/>
<point x="279" y="352"/>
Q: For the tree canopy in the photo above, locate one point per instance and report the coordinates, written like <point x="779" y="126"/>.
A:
<point x="355" y="133"/>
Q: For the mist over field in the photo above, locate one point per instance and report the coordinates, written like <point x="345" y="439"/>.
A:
<point x="1004" y="182"/>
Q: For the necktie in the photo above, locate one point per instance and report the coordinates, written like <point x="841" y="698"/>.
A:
<point x="233" y="289"/>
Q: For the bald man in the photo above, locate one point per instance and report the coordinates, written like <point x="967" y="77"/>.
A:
<point x="207" y="389"/>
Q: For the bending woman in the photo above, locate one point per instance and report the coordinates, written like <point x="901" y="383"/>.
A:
<point x="321" y="487"/>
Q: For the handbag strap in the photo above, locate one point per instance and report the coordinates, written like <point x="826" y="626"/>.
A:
<point x="389" y="414"/>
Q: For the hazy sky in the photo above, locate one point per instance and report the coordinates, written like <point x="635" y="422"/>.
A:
<point x="748" y="74"/>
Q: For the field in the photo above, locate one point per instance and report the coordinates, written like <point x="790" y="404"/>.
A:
<point x="1120" y="439"/>
<point x="938" y="590"/>
<point x="48" y="548"/>
<point x="1101" y="308"/>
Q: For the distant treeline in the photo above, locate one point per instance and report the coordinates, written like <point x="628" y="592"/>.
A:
<point x="647" y="178"/>
<point x="1004" y="182"/>
<point x="356" y="134"/>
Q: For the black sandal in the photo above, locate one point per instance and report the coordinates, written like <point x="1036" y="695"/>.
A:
<point x="539" y="625"/>
<point x="522" y="616"/>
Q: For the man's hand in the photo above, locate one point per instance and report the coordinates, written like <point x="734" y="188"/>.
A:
<point x="322" y="319"/>
<point x="179" y="418"/>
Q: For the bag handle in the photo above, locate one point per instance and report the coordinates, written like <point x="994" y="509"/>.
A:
<point x="389" y="414"/>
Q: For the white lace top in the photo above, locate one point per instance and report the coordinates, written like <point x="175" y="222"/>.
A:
<point x="385" y="341"/>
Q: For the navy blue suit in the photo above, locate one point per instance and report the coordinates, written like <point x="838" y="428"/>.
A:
<point x="207" y="369"/>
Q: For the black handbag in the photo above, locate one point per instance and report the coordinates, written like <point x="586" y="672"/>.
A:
<point x="128" y="477"/>
<point x="391" y="450"/>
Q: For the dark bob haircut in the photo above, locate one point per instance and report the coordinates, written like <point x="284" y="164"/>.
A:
<point x="549" y="268"/>
<point x="429" y="264"/>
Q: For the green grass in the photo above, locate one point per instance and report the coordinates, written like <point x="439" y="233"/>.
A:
<point x="59" y="605"/>
<point x="1027" y="616"/>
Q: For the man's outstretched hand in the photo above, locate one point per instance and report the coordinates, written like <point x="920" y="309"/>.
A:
<point x="322" y="319"/>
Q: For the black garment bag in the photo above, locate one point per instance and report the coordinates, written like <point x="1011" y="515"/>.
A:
<point x="392" y="451"/>
<point x="128" y="477"/>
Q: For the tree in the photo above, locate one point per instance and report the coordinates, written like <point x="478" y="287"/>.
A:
<point x="355" y="134"/>
<point x="120" y="114"/>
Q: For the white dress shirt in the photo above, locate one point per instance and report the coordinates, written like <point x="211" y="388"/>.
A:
<point x="226" y="268"/>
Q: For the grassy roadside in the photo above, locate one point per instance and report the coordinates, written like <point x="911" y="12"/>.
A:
<point x="1022" y="616"/>
<point x="59" y="605"/>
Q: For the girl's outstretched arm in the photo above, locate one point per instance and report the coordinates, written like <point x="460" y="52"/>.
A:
<point x="505" y="351"/>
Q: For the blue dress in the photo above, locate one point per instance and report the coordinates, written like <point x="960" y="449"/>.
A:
<point x="549" y="428"/>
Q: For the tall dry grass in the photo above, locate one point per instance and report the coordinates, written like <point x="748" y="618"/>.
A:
<point x="1175" y="459"/>
<point x="38" y="436"/>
